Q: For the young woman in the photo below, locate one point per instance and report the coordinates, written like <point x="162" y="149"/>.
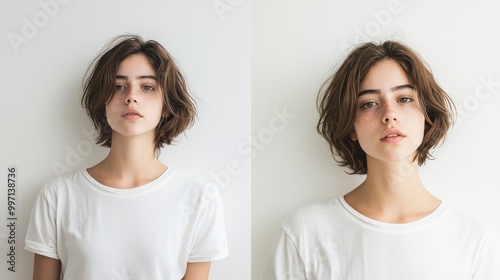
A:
<point x="382" y="113"/>
<point x="129" y="216"/>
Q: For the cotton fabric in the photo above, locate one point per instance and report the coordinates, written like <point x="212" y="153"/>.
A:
<point x="148" y="232"/>
<point x="333" y="241"/>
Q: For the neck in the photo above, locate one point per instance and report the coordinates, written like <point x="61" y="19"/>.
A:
<point x="392" y="192"/>
<point x="131" y="162"/>
<point x="393" y="178"/>
<point x="131" y="156"/>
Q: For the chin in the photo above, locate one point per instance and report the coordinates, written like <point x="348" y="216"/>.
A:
<point x="396" y="158"/>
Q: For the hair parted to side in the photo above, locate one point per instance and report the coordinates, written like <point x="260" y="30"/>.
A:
<point x="99" y="87"/>
<point x="339" y="94"/>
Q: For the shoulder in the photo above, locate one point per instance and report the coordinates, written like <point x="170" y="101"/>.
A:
<point x="469" y="232"/>
<point x="463" y="220"/>
<point x="197" y="191"/>
<point x="62" y="182"/>
<point x="59" y="189"/>
<point x="481" y="237"/>
<point x="315" y="217"/>
<point x="467" y="225"/>
<point x="190" y="183"/>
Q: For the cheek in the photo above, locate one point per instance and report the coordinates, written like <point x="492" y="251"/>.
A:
<point x="113" y="101"/>
<point x="113" y="106"/>
<point x="109" y="107"/>
<point x="362" y="122"/>
<point x="422" y="125"/>
<point x="159" y="106"/>
<point x="155" y="108"/>
<point x="418" y="119"/>
<point x="362" y="125"/>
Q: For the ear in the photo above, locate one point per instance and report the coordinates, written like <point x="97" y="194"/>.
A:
<point x="353" y="136"/>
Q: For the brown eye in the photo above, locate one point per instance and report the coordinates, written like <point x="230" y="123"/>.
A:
<point x="368" y="104"/>
<point x="119" y="87"/>
<point x="406" y="99"/>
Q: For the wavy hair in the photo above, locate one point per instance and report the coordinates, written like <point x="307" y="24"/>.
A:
<point x="99" y="87"/>
<point x="339" y="94"/>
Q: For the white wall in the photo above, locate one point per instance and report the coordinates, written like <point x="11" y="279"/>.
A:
<point x="295" y="46"/>
<point x="44" y="52"/>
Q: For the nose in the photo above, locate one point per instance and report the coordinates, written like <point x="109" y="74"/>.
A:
<point x="388" y="119"/>
<point x="130" y="97"/>
<point x="389" y="114"/>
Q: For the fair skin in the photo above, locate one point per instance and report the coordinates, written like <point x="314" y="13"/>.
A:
<point x="389" y="127"/>
<point x="133" y="114"/>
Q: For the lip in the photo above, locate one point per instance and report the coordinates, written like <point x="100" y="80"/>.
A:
<point x="392" y="135"/>
<point x="131" y="114"/>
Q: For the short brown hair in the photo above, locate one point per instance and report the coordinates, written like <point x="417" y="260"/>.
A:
<point x="339" y="94"/>
<point x="99" y="87"/>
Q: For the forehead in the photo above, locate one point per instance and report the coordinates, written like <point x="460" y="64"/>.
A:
<point x="384" y="75"/>
<point x="136" y="64"/>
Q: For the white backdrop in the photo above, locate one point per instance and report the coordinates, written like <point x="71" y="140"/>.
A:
<point x="45" y="48"/>
<point x="295" y="46"/>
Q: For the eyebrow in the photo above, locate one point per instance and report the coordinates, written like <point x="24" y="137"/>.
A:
<point x="121" y="77"/>
<point x="396" y="88"/>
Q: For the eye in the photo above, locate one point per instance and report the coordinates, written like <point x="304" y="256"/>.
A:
<point x="368" y="104"/>
<point x="120" y="87"/>
<point x="406" y="99"/>
<point x="148" y="88"/>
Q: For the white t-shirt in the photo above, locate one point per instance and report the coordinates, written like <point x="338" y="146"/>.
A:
<point x="333" y="241"/>
<point x="148" y="232"/>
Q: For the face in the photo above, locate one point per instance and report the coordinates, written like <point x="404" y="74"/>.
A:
<point x="136" y="106"/>
<point x="389" y="122"/>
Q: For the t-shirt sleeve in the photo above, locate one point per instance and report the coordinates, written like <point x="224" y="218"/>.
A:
<point x="41" y="234"/>
<point x="209" y="240"/>
<point x="285" y="261"/>
<point x="488" y="262"/>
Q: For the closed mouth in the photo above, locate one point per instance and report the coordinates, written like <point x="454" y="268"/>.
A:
<point x="391" y="133"/>
<point x="132" y="113"/>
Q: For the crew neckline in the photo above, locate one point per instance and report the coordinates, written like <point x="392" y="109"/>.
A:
<point x="393" y="227"/>
<point x="139" y="190"/>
